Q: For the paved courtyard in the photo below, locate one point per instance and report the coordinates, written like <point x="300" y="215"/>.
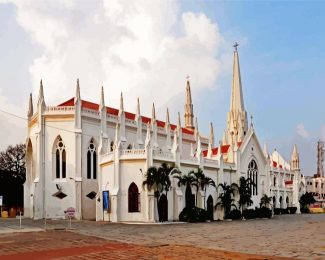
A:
<point x="299" y="236"/>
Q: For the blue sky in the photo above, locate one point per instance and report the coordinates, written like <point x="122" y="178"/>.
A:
<point x="281" y="56"/>
<point x="282" y="66"/>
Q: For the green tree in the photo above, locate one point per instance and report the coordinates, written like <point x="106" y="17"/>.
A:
<point x="225" y="199"/>
<point x="245" y="197"/>
<point x="307" y="199"/>
<point x="188" y="180"/>
<point x="265" y="201"/>
<point x="158" y="180"/>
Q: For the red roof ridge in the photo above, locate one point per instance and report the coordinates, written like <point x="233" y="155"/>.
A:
<point x="128" y="115"/>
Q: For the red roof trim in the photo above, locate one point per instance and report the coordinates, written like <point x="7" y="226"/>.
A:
<point x="128" y="115"/>
<point x="69" y="102"/>
<point x="275" y="164"/>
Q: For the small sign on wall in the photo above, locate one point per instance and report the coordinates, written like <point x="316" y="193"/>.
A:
<point x="106" y="200"/>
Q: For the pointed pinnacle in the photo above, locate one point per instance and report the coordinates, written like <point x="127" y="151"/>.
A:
<point x="121" y="103"/>
<point x="153" y="116"/>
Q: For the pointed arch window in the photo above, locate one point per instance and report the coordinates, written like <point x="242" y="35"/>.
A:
<point x="60" y="160"/>
<point x="252" y="174"/>
<point x="133" y="194"/>
<point x="91" y="161"/>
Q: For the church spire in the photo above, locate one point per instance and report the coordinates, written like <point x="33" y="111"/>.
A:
<point x="237" y="116"/>
<point x="189" y="115"/>
<point x="30" y="106"/>
<point x="237" y="101"/>
<point x="295" y="159"/>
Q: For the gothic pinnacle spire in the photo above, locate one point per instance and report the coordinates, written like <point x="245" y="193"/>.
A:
<point x="41" y="95"/>
<point x="189" y="115"/>
<point x="211" y="137"/>
<point x="167" y="118"/>
<point x="138" y="114"/>
<point x="77" y="90"/>
<point x="153" y="117"/>
<point x="121" y="104"/>
<point x="102" y="99"/>
<point x="30" y="106"/>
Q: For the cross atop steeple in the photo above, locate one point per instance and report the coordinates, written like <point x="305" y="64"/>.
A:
<point x="236" y="45"/>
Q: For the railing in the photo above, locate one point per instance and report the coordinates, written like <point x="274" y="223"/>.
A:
<point x="63" y="108"/>
<point x="190" y="160"/>
<point x="132" y="152"/>
<point x="90" y="111"/>
<point x="159" y="154"/>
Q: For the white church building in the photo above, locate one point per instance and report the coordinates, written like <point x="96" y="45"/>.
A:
<point x="78" y="151"/>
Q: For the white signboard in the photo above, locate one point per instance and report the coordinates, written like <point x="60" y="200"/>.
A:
<point x="1" y="200"/>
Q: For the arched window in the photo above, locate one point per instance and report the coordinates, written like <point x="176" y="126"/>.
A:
<point x="274" y="181"/>
<point x="112" y="146"/>
<point x="133" y="198"/>
<point x="60" y="160"/>
<point x="129" y="147"/>
<point x="91" y="161"/>
<point x="252" y="174"/>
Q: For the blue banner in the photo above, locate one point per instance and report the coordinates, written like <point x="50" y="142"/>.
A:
<point x="106" y="200"/>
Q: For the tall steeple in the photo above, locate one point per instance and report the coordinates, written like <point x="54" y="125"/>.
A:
<point x="295" y="159"/>
<point x="237" y="116"/>
<point x="189" y="115"/>
<point x="30" y="107"/>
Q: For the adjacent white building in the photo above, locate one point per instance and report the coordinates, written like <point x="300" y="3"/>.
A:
<point x="78" y="150"/>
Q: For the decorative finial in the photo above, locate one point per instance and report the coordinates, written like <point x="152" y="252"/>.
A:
<point x="236" y="45"/>
<point x="188" y="77"/>
<point x="251" y="120"/>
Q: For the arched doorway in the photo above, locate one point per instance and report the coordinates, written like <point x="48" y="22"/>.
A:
<point x="163" y="208"/>
<point x="133" y="198"/>
<point x="210" y="207"/>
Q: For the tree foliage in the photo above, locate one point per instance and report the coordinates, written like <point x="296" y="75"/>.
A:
<point x="12" y="163"/>
<point x="245" y="197"/>
<point x="225" y="199"/>
<point x="158" y="180"/>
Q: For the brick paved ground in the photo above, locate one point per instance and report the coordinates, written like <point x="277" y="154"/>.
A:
<point x="71" y="245"/>
<point x="299" y="236"/>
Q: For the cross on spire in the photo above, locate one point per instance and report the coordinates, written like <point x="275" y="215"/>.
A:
<point x="188" y="77"/>
<point x="236" y="45"/>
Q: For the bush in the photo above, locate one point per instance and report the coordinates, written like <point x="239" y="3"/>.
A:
<point x="263" y="212"/>
<point x="193" y="214"/>
<point x="277" y="211"/>
<point x="235" y="214"/>
<point x="285" y="211"/>
<point x="249" y="213"/>
<point x="292" y="210"/>
<point x="304" y="209"/>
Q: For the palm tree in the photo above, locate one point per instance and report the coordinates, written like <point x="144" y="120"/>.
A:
<point x="265" y="201"/>
<point x="197" y="176"/>
<point x="187" y="180"/>
<point x="225" y="199"/>
<point x="157" y="179"/>
<point x="245" y="197"/>
<point x="205" y="182"/>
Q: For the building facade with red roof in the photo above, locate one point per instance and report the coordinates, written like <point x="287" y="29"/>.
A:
<point x="94" y="158"/>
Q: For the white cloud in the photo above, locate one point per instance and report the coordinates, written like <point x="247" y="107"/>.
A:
<point x="302" y="131"/>
<point x="143" y="48"/>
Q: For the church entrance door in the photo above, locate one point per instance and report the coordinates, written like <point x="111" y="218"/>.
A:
<point x="163" y="208"/>
<point x="210" y="207"/>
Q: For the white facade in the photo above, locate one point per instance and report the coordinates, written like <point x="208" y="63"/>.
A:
<point x="79" y="149"/>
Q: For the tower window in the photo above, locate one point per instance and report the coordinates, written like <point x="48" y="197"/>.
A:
<point x="252" y="175"/>
<point x="60" y="160"/>
<point x="91" y="161"/>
